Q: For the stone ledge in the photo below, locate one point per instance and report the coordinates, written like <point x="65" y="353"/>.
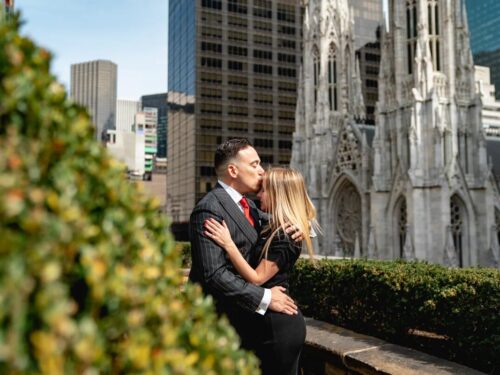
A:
<point x="334" y="350"/>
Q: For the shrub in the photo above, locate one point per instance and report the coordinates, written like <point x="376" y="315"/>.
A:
<point x="455" y="311"/>
<point x="185" y="249"/>
<point x="89" y="279"/>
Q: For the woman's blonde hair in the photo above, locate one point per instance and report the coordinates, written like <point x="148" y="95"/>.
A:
<point x="288" y="203"/>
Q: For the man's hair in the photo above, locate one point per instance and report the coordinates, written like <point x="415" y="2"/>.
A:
<point x="226" y="152"/>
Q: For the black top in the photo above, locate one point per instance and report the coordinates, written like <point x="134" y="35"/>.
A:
<point x="284" y="252"/>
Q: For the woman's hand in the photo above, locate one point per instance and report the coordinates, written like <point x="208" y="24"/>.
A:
<point x="219" y="233"/>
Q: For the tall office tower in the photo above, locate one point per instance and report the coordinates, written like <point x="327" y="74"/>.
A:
<point x="158" y="101"/>
<point x="484" y="17"/>
<point x="93" y="85"/>
<point x="125" y="114"/>
<point x="233" y="68"/>
<point x="368" y="23"/>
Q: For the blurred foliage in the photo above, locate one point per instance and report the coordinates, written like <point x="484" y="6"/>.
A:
<point x="391" y="300"/>
<point x="90" y="281"/>
<point x="185" y="249"/>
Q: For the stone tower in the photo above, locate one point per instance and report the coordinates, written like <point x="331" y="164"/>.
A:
<point x="433" y="195"/>
<point x="422" y="189"/>
<point x="328" y="148"/>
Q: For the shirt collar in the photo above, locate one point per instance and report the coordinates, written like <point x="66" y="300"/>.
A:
<point x="235" y="196"/>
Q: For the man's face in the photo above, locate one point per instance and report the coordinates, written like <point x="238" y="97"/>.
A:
<point x="249" y="172"/>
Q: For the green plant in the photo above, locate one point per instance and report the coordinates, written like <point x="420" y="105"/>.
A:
<point x="185" y="249"/>
<point x="90" y="281"/>
<point x="456" y="311"/>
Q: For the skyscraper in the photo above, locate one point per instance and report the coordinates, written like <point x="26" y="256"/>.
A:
<point x="484" y="17"/>
<point x="233" y="67"/>
<point x="158" y="101"/>
<point x="93" y="85"/>
<point x="125" y="114"/>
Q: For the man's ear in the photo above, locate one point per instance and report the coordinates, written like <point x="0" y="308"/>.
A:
<point x="232" y="171"/>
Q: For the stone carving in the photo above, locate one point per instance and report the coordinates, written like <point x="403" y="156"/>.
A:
<point x="427" y="127"/>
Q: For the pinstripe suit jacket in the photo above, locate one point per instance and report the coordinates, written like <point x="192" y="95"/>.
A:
<point x="210" y="265"/>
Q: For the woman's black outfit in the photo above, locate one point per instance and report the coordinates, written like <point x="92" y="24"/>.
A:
<point x="284" y="335"/>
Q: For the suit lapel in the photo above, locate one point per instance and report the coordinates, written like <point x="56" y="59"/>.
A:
<point x="236" y="214"/>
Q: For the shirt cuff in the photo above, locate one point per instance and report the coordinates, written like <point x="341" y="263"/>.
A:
<point x="264" y="304"/>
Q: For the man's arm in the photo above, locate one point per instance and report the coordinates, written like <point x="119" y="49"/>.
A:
<point x="211" y="264"/>
<point x="209" y="258"/>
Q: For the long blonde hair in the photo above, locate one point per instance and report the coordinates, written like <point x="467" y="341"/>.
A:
<point x="288" y="203"/>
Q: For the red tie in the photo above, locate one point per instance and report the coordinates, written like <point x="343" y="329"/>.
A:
<point x="246" y="210"/>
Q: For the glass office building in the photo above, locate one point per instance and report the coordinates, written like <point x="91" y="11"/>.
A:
<point x="233" y="69"/>
<point x="484" y="20"/>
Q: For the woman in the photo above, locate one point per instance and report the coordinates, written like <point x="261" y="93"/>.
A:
<point x="284" y="197"/>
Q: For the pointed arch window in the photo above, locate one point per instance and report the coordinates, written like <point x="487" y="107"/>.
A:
<point x="457" y="221"/>
<point x="411" y="32"/>
<point x="316" y="73"/>
<point x="332" y="79"/>
<point x="402" y="222"/>
<point x="434" y="38"/>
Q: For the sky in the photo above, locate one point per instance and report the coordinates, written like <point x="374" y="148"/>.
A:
<point x="131" y="33"/>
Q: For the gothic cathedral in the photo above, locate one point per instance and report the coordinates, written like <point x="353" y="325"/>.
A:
<point x="420" y="187"/>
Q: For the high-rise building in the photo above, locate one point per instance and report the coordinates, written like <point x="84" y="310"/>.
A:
<point x="146" y="123"/>
<point x="484" y="17"/>
<point x="125" y="114"/>
<point x="490" y="111"/>
<point x="158" y="101"/>
<point x="233" y="68"/>
<point x="368" y="21"/>
<point x="93" y="85"/>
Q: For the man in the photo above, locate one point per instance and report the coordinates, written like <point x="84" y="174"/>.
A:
<point x="238" y="169"/>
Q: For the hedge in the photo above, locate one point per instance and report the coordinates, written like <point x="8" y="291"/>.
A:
<point x="90" y="281"/>
<point x="452" y="313"/>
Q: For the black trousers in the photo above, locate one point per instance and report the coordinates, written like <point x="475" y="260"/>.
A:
<point x="277" y="339"/>
<point x="282" y="341"/>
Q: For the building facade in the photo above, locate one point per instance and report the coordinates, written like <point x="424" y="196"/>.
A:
<point x="418" y="185"/>
<point x="93" y="85"/>
<point x="234" y="64"/>
<point x="125" y="114"/>
<point x="368" y="19"/>
<point x="158" y="101"/>
<point x="146" y="123"/>
<point x="484" y="18"/>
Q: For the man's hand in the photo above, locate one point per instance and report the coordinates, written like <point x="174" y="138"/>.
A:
<point x="295" y="233"/>
<point x="280" y="302"/>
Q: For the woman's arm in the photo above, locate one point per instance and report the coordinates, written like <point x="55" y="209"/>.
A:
<point x="220" y="234"/>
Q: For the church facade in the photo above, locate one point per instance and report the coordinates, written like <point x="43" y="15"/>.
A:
<point x="417" y="185"/>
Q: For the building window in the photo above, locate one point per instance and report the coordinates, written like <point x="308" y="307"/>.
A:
<point x="457" y="215"/>
<point x="237" y="51"/>
<point x="316" y="72"/>
<point x="288" y="44"/>
<point x="259" y="54"/>
<point x="263" y="8"/>
<point x="411" y="32"/>
<point x="433" y="19"/>
<point x="212" y="47"/>
<point x="237" y="6"/>
<point x="214" y="4"/>
<point x="236" y="65"/>
<point x="264" y="143"/>
<point x="211" y="63"/>
<point x="283" y="57"/>
<point x="287" y="72"/>
<point x="262" y="69"/>
<point x="332" y="79"/>
<point x="402" y="223"/>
